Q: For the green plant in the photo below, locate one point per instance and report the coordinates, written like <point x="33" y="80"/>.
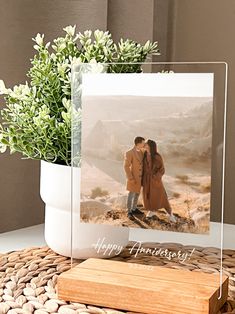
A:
<point x="36" y="120"/>
<point x="98" y="192"/>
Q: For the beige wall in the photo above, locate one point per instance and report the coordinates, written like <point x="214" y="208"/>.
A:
<point x="204" y="31"/>
<point x="163" y="26"/>
<point x="131" y="19"/>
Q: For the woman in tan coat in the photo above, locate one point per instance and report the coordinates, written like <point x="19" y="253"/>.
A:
<point x="154" y="194"/>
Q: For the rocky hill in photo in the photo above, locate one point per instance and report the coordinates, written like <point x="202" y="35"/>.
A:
<point x="180" y="128"/>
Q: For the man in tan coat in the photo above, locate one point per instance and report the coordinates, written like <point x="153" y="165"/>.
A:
<point x="133" y="166"/>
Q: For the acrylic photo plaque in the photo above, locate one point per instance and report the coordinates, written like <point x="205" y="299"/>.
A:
<point x="148" y="147"/>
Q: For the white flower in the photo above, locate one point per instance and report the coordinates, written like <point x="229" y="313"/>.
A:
<point x="20" y="91"/>
<point x="53" y="56"/>
<point x="36" y="47"/>
<point x="62" y="68"/>
<point x="93" y="60"/>
<point x="76" y="61"/>
<point x="3" y="147"/>
<point x="87" y="33"/>
<point x="3" y="89"/>
<point x="66" y="102"/>
<point x="96" y="67"/>
<point x="47" y="45"/>
<point x="61" y="47"/>
<point x="39" y="39"/>
<point x="70" y="30"/>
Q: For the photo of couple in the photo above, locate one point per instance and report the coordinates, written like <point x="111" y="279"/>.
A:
<point x="144" y="169"/>
<point x="146" y="149"/>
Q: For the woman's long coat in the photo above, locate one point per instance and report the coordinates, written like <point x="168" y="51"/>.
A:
<point x="154" y="194"/>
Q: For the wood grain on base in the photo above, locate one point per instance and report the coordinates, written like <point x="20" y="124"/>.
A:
<point x="142" y="288"/>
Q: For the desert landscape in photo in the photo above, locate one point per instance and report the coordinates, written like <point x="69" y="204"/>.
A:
<point x="182" y="128"/>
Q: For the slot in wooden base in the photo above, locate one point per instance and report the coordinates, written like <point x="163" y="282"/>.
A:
<point x="142" y="288"/>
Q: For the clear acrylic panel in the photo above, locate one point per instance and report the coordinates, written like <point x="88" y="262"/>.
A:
<point x="169" y="121"/>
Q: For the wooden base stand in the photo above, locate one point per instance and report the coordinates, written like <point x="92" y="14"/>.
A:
<point x="142" y="288"/>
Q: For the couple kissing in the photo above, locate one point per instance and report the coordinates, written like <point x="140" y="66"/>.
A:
<point x="144" y="169"/>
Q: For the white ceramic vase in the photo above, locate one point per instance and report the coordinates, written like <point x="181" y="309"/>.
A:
<point x="56" y="192"/>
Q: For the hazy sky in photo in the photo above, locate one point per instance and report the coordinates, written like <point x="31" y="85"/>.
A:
<point x="149" y="84"/>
